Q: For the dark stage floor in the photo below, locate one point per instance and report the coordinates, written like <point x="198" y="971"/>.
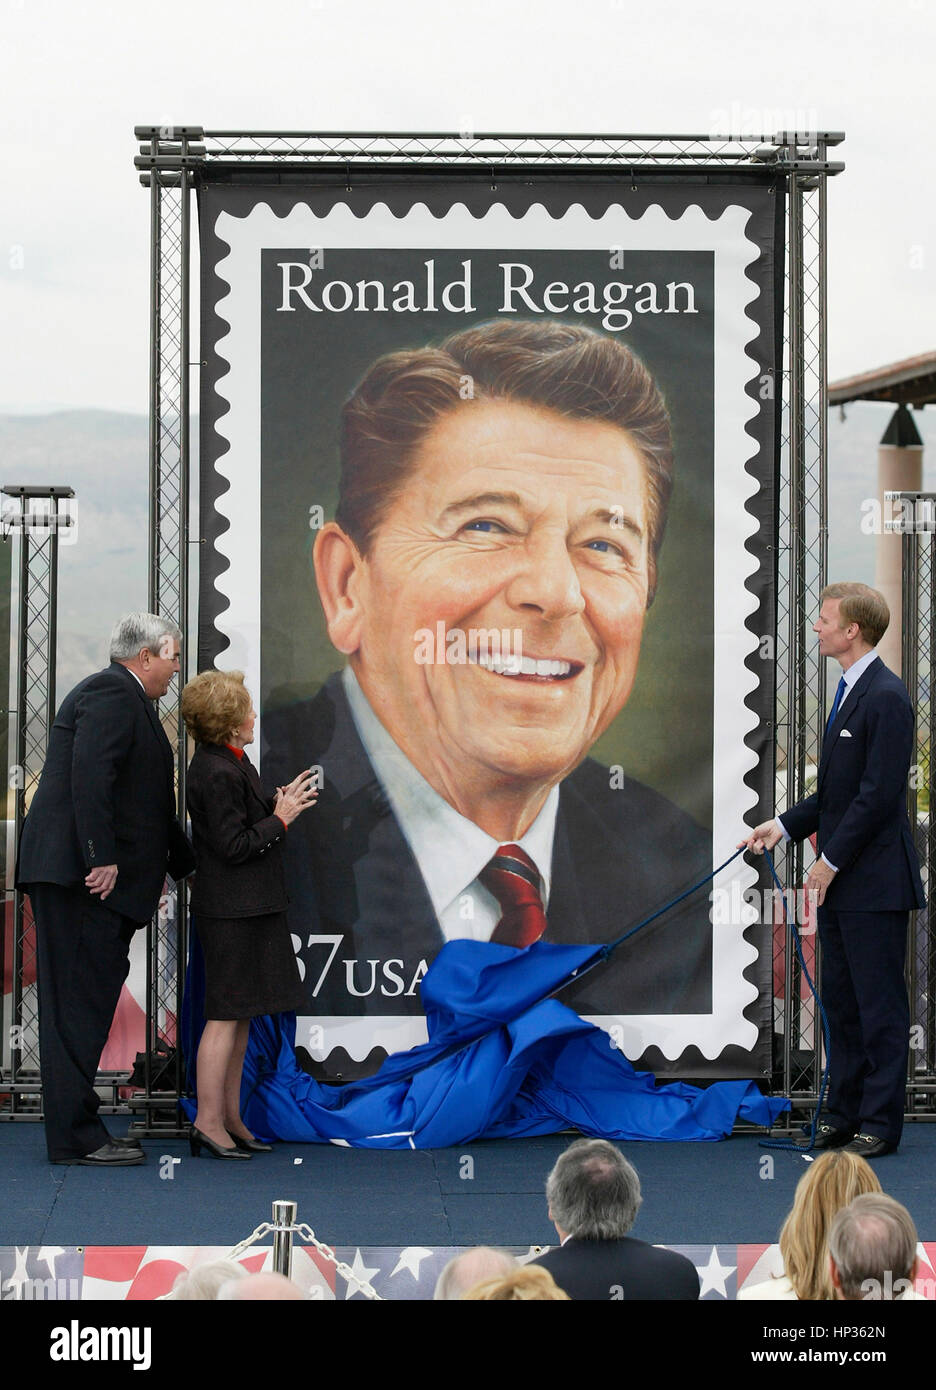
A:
<point x="482" y="1193"/>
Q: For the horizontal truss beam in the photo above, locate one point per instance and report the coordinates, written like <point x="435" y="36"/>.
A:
<point x="171" y="148"/>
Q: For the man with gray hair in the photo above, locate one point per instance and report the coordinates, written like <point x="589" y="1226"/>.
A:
<point x="594" y="1196"/>
<point x="99" y="839"/>
<point x="873" y="1250"/>
<point x="472" y="1267"/>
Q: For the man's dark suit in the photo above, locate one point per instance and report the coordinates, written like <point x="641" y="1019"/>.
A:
<point x="618" y="853"/>
<point x="608" y="1270"/>
<point x="858" y="813"/>
<point x="105" y="797"/>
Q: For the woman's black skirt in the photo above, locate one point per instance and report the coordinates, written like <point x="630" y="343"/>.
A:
<point x="250" y="966"/>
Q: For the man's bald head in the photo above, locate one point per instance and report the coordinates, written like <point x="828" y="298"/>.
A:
<point x="473" y="1267"/>
<point x="260" y="1288"/>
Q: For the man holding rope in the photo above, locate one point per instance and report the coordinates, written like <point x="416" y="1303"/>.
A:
<point x="866" y="877"/>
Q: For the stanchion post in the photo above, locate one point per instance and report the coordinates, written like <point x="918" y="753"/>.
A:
<point x="284" y="1220"/>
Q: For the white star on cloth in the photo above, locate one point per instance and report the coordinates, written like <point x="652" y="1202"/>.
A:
<point x="47" y="1256"/>
<point x="20" y="1275"/>
<point x="714" y="1275"/>
<point x="410" y="1259"/>
<point x="360" y="1271"/>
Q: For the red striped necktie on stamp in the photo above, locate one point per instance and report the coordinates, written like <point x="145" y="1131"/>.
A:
<point x="512" y="878"/>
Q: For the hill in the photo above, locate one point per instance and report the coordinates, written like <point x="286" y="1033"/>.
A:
<point x="103" y="455"/>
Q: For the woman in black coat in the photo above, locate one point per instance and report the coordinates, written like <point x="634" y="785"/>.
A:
<point x="238" y="899"/>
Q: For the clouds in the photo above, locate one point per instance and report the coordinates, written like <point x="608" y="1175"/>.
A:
<point x="77" y="78"/>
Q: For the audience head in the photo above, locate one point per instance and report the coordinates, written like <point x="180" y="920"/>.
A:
<point x="872" y="1249"/>
<point x="204" y="1281"/>
<point x="260" y="1288"/>
<point x="830" y="1183"/>
<point x="532" y="1283"/>
<point x="475" y="1266"/>
<point x="593" y="1192"/>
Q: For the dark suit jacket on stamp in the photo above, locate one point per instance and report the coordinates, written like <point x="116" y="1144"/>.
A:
<point x="618" y="854"/>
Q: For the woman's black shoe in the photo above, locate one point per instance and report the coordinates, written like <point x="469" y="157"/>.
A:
<point x="199" y="1141"/>
<point x="253" y="1146"/>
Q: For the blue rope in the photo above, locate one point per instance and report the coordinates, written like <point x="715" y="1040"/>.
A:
<point x="791" y="1143"/>
<point x="613" y="945"/>
<point x="609" y="946"/>
<point x="600" y="957"/>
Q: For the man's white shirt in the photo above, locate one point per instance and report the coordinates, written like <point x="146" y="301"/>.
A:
<point x="450" y="850"/>
<point x="855" y="672"/>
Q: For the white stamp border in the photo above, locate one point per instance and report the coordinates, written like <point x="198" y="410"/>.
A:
<point x="536" y="229"/>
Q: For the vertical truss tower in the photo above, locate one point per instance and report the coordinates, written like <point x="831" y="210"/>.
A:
<point x="36" y="517"/>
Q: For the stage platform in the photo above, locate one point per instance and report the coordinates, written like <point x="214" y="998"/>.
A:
<point x="399" y="1214"/>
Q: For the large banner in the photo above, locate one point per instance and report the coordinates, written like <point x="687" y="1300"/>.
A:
<point x="488" y="494"/>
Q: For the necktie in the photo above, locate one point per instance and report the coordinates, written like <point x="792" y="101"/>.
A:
<point x="512" y="878"/>
<point x="840" y="691"/>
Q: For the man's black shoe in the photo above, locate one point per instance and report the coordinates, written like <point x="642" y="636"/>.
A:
<point x="828" y="1137"/>
<point x="125" y="1142"/>
<point x="870" y="1146"/>
<point x="108" y="1156"/>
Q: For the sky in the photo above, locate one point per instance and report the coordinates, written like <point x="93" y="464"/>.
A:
<point x="75" y="78"/>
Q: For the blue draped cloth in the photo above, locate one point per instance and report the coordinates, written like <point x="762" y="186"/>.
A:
<point x="503" y="1059"/>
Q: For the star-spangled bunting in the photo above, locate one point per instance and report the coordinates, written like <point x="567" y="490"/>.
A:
<point x="404" y="1273"/>
<point x="411" y="1258"/>
<point x="714" y="1275"/>
<point x="360" y="1271"/>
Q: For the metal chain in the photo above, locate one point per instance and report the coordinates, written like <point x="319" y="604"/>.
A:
<point x="311" y="1238"/>
<point x="308" y="1234"/>
<point x="255" y="1235"/>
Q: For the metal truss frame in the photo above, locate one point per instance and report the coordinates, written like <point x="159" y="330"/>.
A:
<point x="36" y="517"/>
<point x="916" y="524"/>
<point x="168" y="590"/>
<point x="172" y="159"/>
<point x="802" y="563"/>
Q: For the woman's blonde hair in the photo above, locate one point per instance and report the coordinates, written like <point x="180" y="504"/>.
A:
<point x="830" y="1184"/>
<point x="213" y="704"/>
<point x="522" y="1286"/>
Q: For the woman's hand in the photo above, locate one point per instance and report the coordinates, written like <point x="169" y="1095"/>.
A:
<point x="295" y="798"/>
